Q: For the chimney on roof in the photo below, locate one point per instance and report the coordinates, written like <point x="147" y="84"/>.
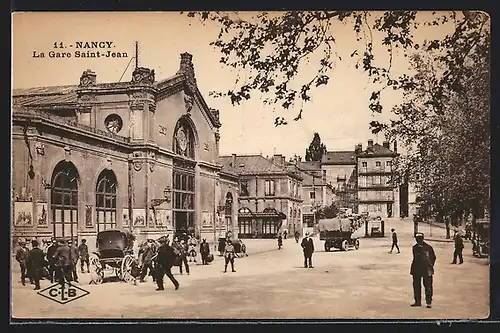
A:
<point x="233" y="161"/>
<point x="283" y="160"/>
<point x="277" y="159"/>
<point x="358" y="148"/>
<point x="299" y="158"/>
<point x="396" y="147"/>
<point x="370" y="143"/>
<point x="386" y="144"/>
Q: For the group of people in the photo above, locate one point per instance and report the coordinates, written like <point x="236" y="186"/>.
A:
<point x="58" y="262"/>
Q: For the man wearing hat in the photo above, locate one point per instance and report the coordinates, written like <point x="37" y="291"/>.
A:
<point x="21" y="256"/>
<point x="164" y="262"/>
<point x="422" y="268"/>
<point x="308" y="248"/>
<point x="35" y="263"/>
<point x="204" y="251"/>
<point x="51" y="252"/>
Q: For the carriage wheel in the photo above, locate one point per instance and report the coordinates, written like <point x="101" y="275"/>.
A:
<point x="119" y="273"/>
<point x="96" y="270"/>
<point x="126" y="268"/>
<point x="344" y="245"/>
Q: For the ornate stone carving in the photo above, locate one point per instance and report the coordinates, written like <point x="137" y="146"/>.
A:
<point x="187" y="68"/>
<point x="151" y="166"/>
<point x="88" y="78"/>
<point x="152" y="107"/>
<point x="138" y="94"/>
<point x="188" y="101"/>
<point x="138" y="165"/>
<point x="143" y="75"/>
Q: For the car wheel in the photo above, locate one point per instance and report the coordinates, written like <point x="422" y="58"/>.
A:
<point x="327" y="248"/>
<point x="345" y="244"/>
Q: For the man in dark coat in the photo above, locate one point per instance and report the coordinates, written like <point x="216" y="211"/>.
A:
<point x="308" y="248"/>
<point x="394" y="241"/>
<point x="459" y="246"/>
<point x="74" y="259"/>
<point x="64" y="262"/>
<point x="51" y="251"/>
<point x="83" y="253"/>
<point x="204" y="251"/>
<point x="21" y="256"/>
<point x="146" y="254"/>
<point x="164" y="262"/>
<point x="35" y="263"/>
<point x="422" y="268"/>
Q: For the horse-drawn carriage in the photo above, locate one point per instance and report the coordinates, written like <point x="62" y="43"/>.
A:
<point x="114" y="253"/>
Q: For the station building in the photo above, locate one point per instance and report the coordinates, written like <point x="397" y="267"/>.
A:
<point x="141" y="155"/>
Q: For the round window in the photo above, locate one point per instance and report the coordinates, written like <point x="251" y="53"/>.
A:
<point x="113" y="123"/>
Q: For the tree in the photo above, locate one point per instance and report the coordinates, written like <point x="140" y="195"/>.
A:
<point x="274" y="48"/>
<point x="316" y="149"/>
<point x="327" y="212"/>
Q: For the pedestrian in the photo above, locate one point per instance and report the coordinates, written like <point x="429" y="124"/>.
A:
<point x="164" y="262"/>
<point x="280" y="242"/>
<point x="297" y="235"/>
<point x="193" y="243"/>
<point x="64" y="263"/>
<point x="83" y="253"/>
<point x="146" y="254"/>
<point x="51" y="251"/>
<point x="422" y="268"/>
<point x="183" y="248"/>
<point x="285" y="233"/>
<point x="35" y="263"/>
<point x="308" y="248"/>
<point x="229" y="256"/>
<point x="204" y="251"/>
<point x="394" y="241"/>
<point x="459" y="246"/>
<point x="74" y="259"/>
<point x="21" y="256"/>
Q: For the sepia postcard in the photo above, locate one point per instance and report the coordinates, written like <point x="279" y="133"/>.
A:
<point x="250" y="165"/>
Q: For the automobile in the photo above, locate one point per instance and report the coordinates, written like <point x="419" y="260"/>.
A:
<point x="338" y="233"/>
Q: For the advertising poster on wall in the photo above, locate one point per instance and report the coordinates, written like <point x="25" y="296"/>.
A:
<point x="139" y="217"/>
<point x="23" y="213"/>
<point x="41" y="213"/>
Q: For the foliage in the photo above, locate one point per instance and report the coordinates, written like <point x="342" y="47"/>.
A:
<point x="316" y="149"/>
<point x="274" y="47"/>
<point x="327" y="212"/>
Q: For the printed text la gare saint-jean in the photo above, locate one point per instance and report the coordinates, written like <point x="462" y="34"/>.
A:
<point x="81" y="49"/>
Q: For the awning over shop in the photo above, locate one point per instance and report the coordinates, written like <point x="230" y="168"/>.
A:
<point x="266" y="213"/>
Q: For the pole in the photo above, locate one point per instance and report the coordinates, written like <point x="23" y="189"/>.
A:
<point x="136" y="54"/>
<point x="214" y="224"/>
<point x="130" y="196"/>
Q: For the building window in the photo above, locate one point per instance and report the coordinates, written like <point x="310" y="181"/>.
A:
<point x="268" y="227"/>
<point x="183" y="200"/>
<point x="244" y="189"/>
<point x="245" y="227"/>
<point x="64" y="200"/>
<point x="364" y="164"/>
<point x="312" y="195"/>
<point x="377" y="164"/>
<point x="269" y="189"/>
<point x="388" y="164"/>
<point x="106" y="200"/>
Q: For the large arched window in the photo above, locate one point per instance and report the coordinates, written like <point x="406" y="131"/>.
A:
<point x="184" y="139"/>
<point x="106" y="200"/>
<point x="64" y="200"/>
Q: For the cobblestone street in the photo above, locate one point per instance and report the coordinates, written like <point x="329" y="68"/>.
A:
<point x="368" y="283"/>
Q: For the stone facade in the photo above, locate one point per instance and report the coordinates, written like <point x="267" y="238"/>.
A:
<point x="141" y="155"/>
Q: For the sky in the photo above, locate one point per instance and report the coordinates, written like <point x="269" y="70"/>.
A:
<point x="338" y="112"/>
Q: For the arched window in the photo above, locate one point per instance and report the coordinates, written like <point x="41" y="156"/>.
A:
<point x="106" y="200"/>
<point x="64" y="200"/>
<point x="184" y="139"/>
